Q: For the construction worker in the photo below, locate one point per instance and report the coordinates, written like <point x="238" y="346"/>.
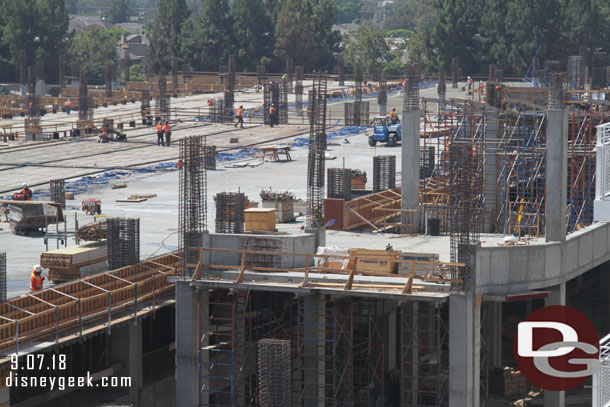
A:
<point x="160" y="134"/>
<point x="103" y="137"/>
<point x="168" y="132"/>
<point x="394" y="116"/>
<point x="240" y="116"/>
<point x="37" y="278"/>
<point x="26" y="192"/>
<point x="284" y="77"/>
<point x="469" y="83"/>
<point x="68" y="106"/>
<point x="272" y="112"/>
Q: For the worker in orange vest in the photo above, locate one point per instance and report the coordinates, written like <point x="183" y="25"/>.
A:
<point x="160" y="134"/>
<point x="240" y="117"/>
<point x="37" y="278"/>
<point x="68" y="106"/>
<point x="272" y="112"/>
<point x="26" y="192"/>
<point x="168" y="132"/>
<point x="394" y="116"/>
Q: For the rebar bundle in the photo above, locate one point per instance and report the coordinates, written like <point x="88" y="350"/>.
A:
<point x="598" y="70"/>
<point x="3" y="279"/>
<point x="341" y="70"/>
<point x="95" y="231"/>
<point x="271" y="96"/>
<point x="465" y="197"/>
<point x="317" y="147"/>
<point x="62" y="70"/>
<point x="298" y="90"/>
<point x="492" y="72"/>
<point x="260" y="73"/>
<point x="410" y="99"/>
<point x="58" y="191"/>
<point x="455" y="72"/>
<point x="357" y="94"/>
<point x="192" y="196"/>
<point x="85" y="103"/>
<point x="23" y="67"/>
<point x="283" y="103"/>
<point x="230" y="208"/>
<point x="123" y="236"/>
<point x="274" y="373"/>
<point x="576" y="71"/>
<point x="209" y="157"/>
<point x="145" y="106"/>
<point x="289" y="73"/>
<point x="384" y="172"/>
<point x="109" y="73"/>
<point x="442" y="85"/>
<point x="339" y="183"/>
<point x="163" y="100"/>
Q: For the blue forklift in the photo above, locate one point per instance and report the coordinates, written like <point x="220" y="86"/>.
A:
<point x="385" y="132"/>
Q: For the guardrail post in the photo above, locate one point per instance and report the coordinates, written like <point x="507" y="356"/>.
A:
<point x="135" y="311"/>
<point x="109" y="313"/>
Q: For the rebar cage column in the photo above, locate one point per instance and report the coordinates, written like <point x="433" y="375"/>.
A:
<point x="58" y="191"/>
<point x="317" y="147"/>
<point x="123" y="236"/>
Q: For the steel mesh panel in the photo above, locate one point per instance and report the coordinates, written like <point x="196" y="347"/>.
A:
<point x="123" y="236"/>
<point x="339" y="183"/>
<point x="230" y="208"/>
<point x="274" y="373"/>
<point x="58" y="191"/>
<point x="384" y="172"/>
<point x="604" y="390"/>
<point x="3" y="295"/>
<point x="576" y="71"/>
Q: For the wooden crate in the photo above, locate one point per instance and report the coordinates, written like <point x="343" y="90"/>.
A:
<point x="260" y="219"/>
<point x="285" y="210"/>
<point x="379" y="262"/>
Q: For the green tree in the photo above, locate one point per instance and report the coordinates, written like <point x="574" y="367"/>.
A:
<point x="368" y="46"/>
<point x="166" y="34"/>
<point x="20" y="29"/>
<point x="208" y="38"/>
<point x="348" y="10"/>
<point x="304" y="33"/>
<point x="52" y="34"/>
<point x="414" y="15"/>
<point x="253" y="32"/>
<point x="93" y="49"/>
<point x="118" y="12"/>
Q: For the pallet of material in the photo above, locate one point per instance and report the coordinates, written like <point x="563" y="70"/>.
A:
<point x="377" y="260"/>
<point x="420" y="269"/>
<point x="71" y="262"/>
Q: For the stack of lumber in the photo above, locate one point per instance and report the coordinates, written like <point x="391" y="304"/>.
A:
<point x="75" y="262"/>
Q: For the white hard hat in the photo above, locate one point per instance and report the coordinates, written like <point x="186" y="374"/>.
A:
<point x="38" y="268"/>
<point x="24" y="185"/>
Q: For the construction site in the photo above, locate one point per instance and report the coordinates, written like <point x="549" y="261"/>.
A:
<point x="330" y="253"/>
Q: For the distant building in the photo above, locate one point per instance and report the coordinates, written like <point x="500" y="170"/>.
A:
<point x="132" y="49"/>
<point x="81" y="24"/>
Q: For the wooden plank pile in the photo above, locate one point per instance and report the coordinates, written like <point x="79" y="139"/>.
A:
<point x="74" y="262"/>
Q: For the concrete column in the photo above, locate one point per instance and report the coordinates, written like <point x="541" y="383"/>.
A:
<point x="5" y="396"/>
<point x="126" y="348"/>
<point x="410" y="168"/>
<point x="383" y="109"/>
<point x="391" y="341"/>
<point x="494" y="350"/>
<point x="187" y="343"/>
<point x="556" y="175"/>
<point x="320" y="234"/>
<point x="40" y="87"/>
<point x="314" y="349"/>
<point x="464" y="350"/>
<point x="490" y="173"/>
<point x="557" y="296"/>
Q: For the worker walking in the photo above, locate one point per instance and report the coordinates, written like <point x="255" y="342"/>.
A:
<point x="37" y="278"/>
<point x="272" y="113"/>
<point x="168" y="133"/>
<point x="68" y="106"/>
<point x="394" y="116"/>
<point x="160" y="131"/>
<point x="26" y="192"/>
<point x="240" y="117"/>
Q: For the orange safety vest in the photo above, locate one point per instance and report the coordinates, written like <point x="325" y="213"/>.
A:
<point x="240" y="112"/>
<point x="167" y="129"/>
<point x="68" y="104"/>
<point x="272" y="111"/>
<point x="35" y="282"/>
<point x="393" y="114"/>
<point x="159" y="128"/>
